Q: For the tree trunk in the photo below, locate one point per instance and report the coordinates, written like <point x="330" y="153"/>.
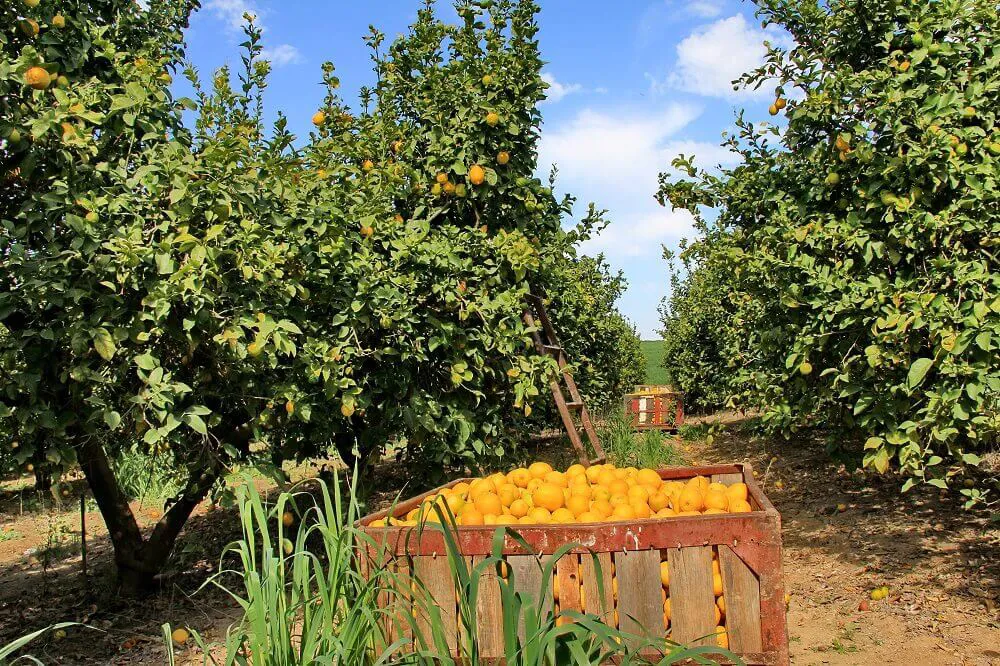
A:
<point x="139" y="560"/>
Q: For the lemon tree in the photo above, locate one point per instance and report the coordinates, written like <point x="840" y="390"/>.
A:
<point x="226" y="294"/>
<point x="852" y="264"/>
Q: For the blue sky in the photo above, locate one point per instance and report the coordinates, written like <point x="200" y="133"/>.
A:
<point x="633" y="83"/>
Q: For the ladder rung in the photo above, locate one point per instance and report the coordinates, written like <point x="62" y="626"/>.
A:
<point x="552" y="348"/>
<point x="574" y="405"/>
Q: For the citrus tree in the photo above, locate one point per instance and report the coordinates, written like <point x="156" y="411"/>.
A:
<point x="855" y="247"/>
<point x="225" y="294"/>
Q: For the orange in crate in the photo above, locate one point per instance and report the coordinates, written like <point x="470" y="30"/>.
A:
<point x="702" y="579"/>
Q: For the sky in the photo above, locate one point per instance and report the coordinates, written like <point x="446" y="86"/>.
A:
<point x="633" y="84"/>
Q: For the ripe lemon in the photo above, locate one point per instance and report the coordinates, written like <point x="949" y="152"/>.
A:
<point x="489" y="503"/>
<point x="665" y="574"/>
<point x="460" y="488"/>
<point x="578" y="504"/>
<point x="503" y="157"/>
<point x="470" y="516"/>
<point x="538" y="470"/>
<point x="540" y="515"/>
<point x="716" y="500"/>
<point x="717" y="584"/>
<point x="556" y="479"/>
<point x="739" y="506"/>
<point x="508" y="493"/>
<point x="623" y="512"/>
<point x="575" y="470"/>
<point x="519" y="508"/>
<point x="649" y="477"/>
<point x="492" y="119"/>
<point x="602" y="508"/>
<point x="477" y="175"/>
<point x="618" y="487"/>
<point x="319" y="118"/>
<point x="179" y="636"/>
<point x="659" y="501"/>
<point x="287" y="519"/>
<point x="441" y="178"/>
<point x="737" y="491"/>
<point x="691" y="500"/>
<point x="549" y="497"/>
<point x="506" y="519"/>
<point x="38" y="78"/>
<point x="720" y="603"/>
<point x="606" y="477"/>
<point x="593" y="471"/>
<point x="367" y="165"/>
<point x="58" y="21"/>
<point x="590" y="517"/>
<point x="520" y="477"/>
<point x="721" y="638"/>
<point x="527" y="520"/>
<point x="665" y="513"/>
<point x="562" y="516"/>
<point x="638" y="493"/>
<point x="641" y="509"/>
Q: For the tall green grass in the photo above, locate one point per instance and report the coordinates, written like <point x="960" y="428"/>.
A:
<point x="627" y="447"/>
<point x="306" y="601"/>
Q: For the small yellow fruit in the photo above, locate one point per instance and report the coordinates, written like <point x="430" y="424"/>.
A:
<point x="58" y="21"/>
<point x="31" y="3"/>
<point x="773" y="110"/>
<point x="442" y="177"/>
<point x="367" y="165"/>
<point x="287" y="519"/>
<point x="780" y="103"/>
<point x="503" y="157"/>
<point x="492" y="119"/>
<point x="347" y="410"/>
<point x="37" y="78"/>
<point x="290" y="407"/>
<point x="477" y="175"/>
<point x="179" y="636"/>
<point x="487" y="79"/>
<point x="319" y="118"/>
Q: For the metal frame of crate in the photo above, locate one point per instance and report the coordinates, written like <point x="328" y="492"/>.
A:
<point x="748" y="547"/>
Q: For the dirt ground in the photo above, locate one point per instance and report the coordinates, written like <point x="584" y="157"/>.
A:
<point x="941" y="564"/>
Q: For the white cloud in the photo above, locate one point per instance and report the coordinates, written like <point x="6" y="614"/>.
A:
<point x="281" y="55"/>
<point x="231" y="12"/>
<point x="713" y="56"/>
<point x="614" y="159"/>
<point x="556" y="91"/>
<point x="704" y="8"/>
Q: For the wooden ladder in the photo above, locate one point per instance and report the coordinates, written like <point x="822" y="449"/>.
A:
<point x="547" y="342"/>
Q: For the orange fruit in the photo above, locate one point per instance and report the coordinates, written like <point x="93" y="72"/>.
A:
<point x="38" y="78"/>
<point x="287" y="519"/>
<point x="492" y="119"/>
<point x="538" y="470"/>
<point x="720" y="603"/>
<point x="717" y="584"/>
<point x="737" y="491"/>
<point x="618" y="500"/>
<point x="578" y="490"/>
<point x="477" y="175"/>
<point x="665" y="513"/>
<point x="442" y="177"/>
<point x="739" y="506"/>
<point x="623" y="512"/>
<point x="519" y="508"/>
<point x="715" y="567"/>
<point x="600" y="493"/>
<point x="716" y="500"/>
<point x="641" y="509"/>
<point x="562" y="516"/>
<point x="470" y="516"/>
<point x="618" y="487"/>
<point x="718" y="615"/>
<point x="490" y="519"/>
<point x="638" y="494"/>
<point x="489" y="503"/>
<point x="721" y="638"/>
<point x="690" y="500"/>
<point x="621" y="473"/>
<point x="557" y="479"/>
<point x="460" y="488"/>
<point x="527" y="520"/>
<point x="590" y="517"/>
<point x="659" y="501"/>
<point x="548" y="497"/>
<point x="665" y="574"/>
<point x="508" y="493"/>
<point x="58" y="21"/>
<point x="479" y="487"/>
<point x="179" y="636"/>
<point x="602" y="508"/>
<point x="503" y="157"/>
<point x="319" y="118"/>
<point x="699" y="482"/>
<point x="666" y="610"/>
<point x="506" y="520"/>
<point x="455" y="503"/>
<point x="520" y="477"/>
<point x="649" y="477"/>
<point x="606" y="477"/>
<point x="533" y="485"/>
<point x="540" y="514"/>
<point x="593" y="471"/>
<point x="578" y="504"/>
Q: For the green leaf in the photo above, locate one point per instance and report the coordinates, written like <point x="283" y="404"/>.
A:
<point x="918" y="370"/>
<point x="112" y="418"/>
<point x="104" y="344"/>
<point x="196" y="423"/>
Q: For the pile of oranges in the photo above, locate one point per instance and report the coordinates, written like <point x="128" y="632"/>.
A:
<point x="540" y="495"/>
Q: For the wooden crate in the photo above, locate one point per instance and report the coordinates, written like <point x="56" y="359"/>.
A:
<point x="746" y="545"/>
<point x="655" y="410"/>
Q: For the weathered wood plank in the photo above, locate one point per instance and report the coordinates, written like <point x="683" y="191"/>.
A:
<point x="568" y="575"/>
<point x="640" y="605"/>
<point x="692" y="603"/>
<point x="594" y="601"/>
<point x="489" y="614"/>
<point x="742" y="592"/>
<point x="435" y="587"/>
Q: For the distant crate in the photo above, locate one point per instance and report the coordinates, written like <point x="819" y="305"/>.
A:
<point x="655" y="407"/>
<point x="733" y="558"/>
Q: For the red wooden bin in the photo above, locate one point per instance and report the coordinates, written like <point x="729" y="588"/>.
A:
<point x="746" y="545"/>
<point x="655" y="409"/>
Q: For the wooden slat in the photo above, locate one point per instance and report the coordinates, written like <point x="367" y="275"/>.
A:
<point x="402" y="601"/>
<point x="692" y="603"/>
<point x="489" y="614"/>
<point x="640" y="606"/>
<point x="595" y="603"/>
<point x="568" y="573"/>
<point x="727" y="479"/>
<point x="742" y="592"/>
<point x="436" y="588"/>
<point x="527" y="574"/>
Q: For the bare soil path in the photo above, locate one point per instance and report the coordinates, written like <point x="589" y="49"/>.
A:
<point x="941" y="564"/>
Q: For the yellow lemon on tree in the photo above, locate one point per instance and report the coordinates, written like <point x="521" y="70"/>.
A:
<point x="477" y="174"/>
<point x="319" y="118"/>
<point x="492" y="118"/>
<point x="38" y="78"/>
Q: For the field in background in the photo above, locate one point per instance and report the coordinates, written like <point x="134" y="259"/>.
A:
<point x="653" y="351"/>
